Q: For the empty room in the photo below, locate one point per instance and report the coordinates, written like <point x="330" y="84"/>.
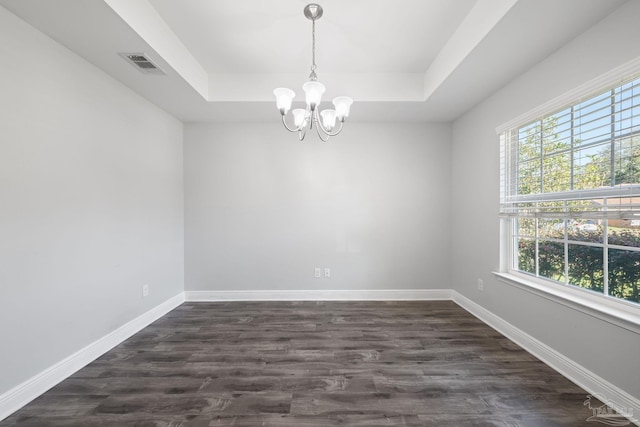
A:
<point x="344" y="213"/>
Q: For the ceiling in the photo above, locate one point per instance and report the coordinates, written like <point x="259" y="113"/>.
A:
<point x="406" y="60"/>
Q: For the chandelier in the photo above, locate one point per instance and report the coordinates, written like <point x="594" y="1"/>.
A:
<point x="307" y="118"/>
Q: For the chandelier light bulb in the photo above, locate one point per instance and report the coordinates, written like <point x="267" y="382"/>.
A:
<point x="328" y="119"/>
<point x="284" y="98"/>
<point x="313" y="93"/>
<point x="343" y="105"/>
<point x="300" y="117"/>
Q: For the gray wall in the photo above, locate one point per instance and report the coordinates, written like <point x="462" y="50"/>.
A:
<point x="263" y="209"/>
<point x="607" y="350"/>
<point x="90" y="203"/>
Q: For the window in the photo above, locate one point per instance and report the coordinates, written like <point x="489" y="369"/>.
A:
<point x="570" y="194"/>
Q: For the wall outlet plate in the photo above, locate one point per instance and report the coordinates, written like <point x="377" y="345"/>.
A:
<point x="145" y="290"/>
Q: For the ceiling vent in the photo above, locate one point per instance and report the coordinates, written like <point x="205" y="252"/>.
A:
<point x="142" y="63"/>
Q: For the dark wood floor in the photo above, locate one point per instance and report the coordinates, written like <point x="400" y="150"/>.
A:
<point x="313" y="364"/>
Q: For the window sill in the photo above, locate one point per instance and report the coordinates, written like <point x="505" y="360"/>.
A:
<point x="618" y="313"/>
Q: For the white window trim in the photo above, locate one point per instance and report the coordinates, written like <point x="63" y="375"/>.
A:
<point x="607" y="308"/>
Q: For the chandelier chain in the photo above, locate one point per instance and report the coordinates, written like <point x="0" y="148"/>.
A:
<point x="313" y="45"/>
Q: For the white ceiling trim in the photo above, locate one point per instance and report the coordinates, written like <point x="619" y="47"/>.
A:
<point x="362" y="87"/>
<point x="142" y="17"/>
<point x="149" y="25"/>
<point x="482" y="18"/>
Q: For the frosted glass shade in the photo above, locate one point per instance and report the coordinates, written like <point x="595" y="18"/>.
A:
<point x="300" y="118"/>
<point x="313" y="93"/>
<point x="284" y="97"/>
<point x="343" y="105"/>
<point x="328" y="119"/>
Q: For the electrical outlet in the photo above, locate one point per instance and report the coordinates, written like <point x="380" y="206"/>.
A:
<point x="480" y="285"/>
<point x="317" y="273"/>
<point x="327" y="272"/>
<point x="145" y="290"/>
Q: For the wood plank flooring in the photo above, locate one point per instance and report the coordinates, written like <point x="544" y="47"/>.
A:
<point x="312" y="364"/>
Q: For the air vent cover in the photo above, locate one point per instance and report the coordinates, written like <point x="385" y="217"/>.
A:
<point x="142" y="63"/>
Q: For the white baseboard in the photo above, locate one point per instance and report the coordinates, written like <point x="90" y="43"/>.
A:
<point x="576" y="373"/>
<point x="24" y="393"/>
<point x="322" y="295"/>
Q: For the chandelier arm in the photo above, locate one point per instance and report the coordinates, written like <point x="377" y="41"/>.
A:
<point x="339" y="129"/>
<point x="302" y="133"/>
<point x="324" y="137"/>
<point x="313" y="117"/>
<point x="284" y="122"/>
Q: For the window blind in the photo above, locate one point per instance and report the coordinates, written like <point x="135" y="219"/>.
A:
<point x="583" y="161"/>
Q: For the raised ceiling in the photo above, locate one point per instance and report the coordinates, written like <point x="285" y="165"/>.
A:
<point x="406" y="60"/>
<point x="257" y="36"/>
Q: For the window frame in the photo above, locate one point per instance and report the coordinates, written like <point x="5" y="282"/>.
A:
<point x="609" y="308"/>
